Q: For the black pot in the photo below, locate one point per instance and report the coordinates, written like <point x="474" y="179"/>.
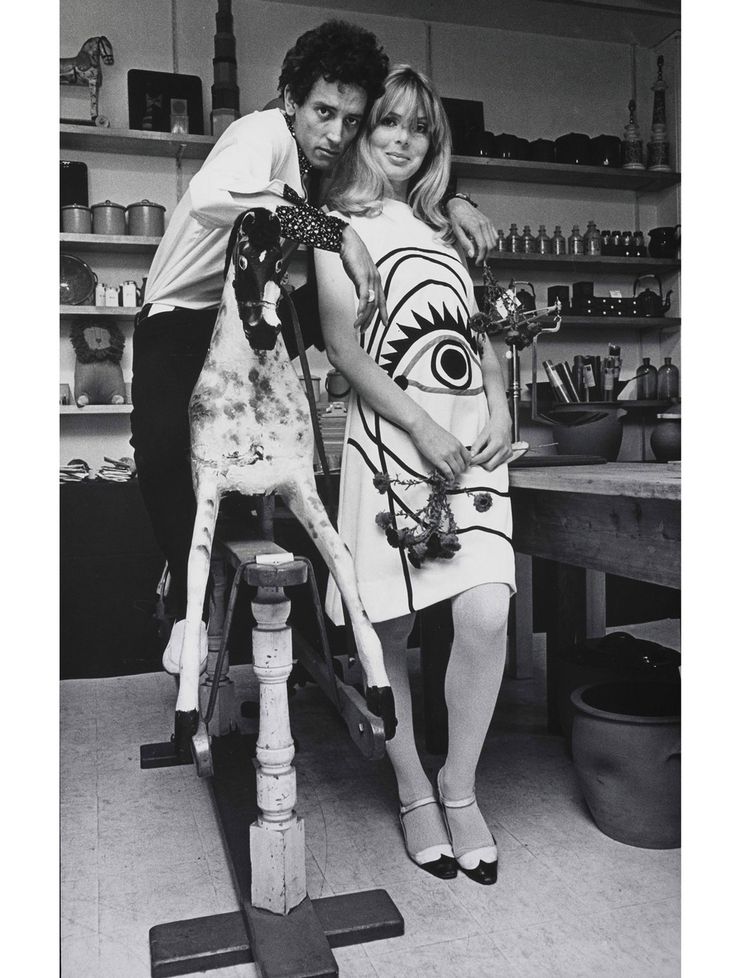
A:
<point x="561" y="292"/>
<point x="606" y="151"/>
<point x="488" y="145"/>
<point x="509" y="147"/>
<point x="573" y="148"/>
<point x="664" y="242"/>
<point x="542" y="151"/>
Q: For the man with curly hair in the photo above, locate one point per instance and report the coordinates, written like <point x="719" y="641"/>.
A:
<point x="274" y="158"/>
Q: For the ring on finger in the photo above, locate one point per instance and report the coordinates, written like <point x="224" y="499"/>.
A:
<point x="371" y="295"/>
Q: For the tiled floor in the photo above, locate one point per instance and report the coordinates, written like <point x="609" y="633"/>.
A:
<point x="143" y="847"/>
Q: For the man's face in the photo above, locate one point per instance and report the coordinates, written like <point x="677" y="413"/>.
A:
<point x="327" y="121"/>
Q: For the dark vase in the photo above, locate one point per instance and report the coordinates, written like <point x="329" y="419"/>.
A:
<point x="666" y="439"/>
<point x="573" y="148"/>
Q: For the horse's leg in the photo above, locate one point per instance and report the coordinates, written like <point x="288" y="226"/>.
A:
<point x="93" y="96"/>
<point x="200" y="552"/>
<point x="304" y="502"/>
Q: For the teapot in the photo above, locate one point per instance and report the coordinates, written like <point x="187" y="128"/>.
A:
<point x="664" y="242"/>
<point x="648" y="303"/>
<point x="527" y="300"/>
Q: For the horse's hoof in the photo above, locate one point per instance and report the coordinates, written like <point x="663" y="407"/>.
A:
<point x="201" y="752"/>
<point x="380" y="701"/>
<point x="185" y="727"/>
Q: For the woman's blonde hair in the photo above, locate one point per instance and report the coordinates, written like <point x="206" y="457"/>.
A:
<point x="359" y="185"/>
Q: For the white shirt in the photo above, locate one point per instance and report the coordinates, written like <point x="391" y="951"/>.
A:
<point x="248" y="166"/>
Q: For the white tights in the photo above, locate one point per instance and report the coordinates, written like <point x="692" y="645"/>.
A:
<point x="472" y="682"/>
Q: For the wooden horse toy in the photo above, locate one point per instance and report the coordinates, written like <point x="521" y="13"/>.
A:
<point x="251" y="433"/>
<point x="86" y="68"/>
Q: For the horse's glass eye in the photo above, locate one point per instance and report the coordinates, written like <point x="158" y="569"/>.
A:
<point x="279" y="263"/>
<point x="242" y="262"/>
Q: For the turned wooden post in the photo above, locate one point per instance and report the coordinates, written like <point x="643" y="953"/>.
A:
<point x="277" y="847"/>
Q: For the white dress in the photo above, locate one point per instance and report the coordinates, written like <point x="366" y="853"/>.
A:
<point x="429" y="351"/>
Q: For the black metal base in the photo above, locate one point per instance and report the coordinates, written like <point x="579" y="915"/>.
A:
<point x="295" y="945"/>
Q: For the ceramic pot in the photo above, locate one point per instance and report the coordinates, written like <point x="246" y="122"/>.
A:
<point x="76" y="219"/>
<point x="508" y="147"/>
<point x="488" y="145"/>
<point x="601" y="438"/>
<point x="606" y="151"/>
<point x="666" y="438"/>
<point x="542" y="150"/>
<point x="108" y="218"/>
<point x="574" y="147"/>
<point x="664" y="242"/>
<point x="146" y="218"/>
<point x="626" y="754"/>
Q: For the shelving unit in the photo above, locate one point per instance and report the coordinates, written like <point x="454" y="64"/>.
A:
<point x="136" y="142"/>
<point x="622" y="322"/>
<point x="107" y="312"/>
<point x="95" y="409"/>
<point x="584" y="264"/>
<point x="563" y="174"/>
<point x="131" y="243"/>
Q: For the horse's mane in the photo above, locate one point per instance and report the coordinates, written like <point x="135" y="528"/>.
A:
<point x="262" y="236"/>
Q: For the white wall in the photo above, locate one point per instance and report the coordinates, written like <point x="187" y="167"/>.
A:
<point x="530" y="85"/>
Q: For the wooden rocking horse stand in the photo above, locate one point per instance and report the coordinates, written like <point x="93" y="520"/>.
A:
<point x="251" y="433"/>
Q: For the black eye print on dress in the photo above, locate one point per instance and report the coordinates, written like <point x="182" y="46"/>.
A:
<point x="451" y="365"/>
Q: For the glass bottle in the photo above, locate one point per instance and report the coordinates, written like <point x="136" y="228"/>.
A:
<point x="616" y="243"/>
<point x="559" y="245"/>
<point x="646" y="381"/>
<point x="606" y="242"/>
<point x="627" y="244"/>
<point x="609" y="382"/>
<point x="668" y="381"/>
<point x="513" y="241"/>
<point x="575" y="241"/>
<point x="501" y="243"/>
<point x="528" y="241"/>
<point x="592" y="240"/>
<point x="544" y="242"/>
<point x="640" y="248"/>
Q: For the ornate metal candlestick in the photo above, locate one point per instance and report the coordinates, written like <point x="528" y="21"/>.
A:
<point x="658" y="149"/>
<point x="633" y="147"/>
<point x="503" y="313"/>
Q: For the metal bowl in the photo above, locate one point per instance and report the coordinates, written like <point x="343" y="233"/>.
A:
<point x="77" y="282"/>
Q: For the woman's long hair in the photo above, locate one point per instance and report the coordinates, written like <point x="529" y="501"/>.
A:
<point x="359" y="185"/>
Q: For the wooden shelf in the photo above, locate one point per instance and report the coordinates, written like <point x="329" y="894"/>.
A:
<point x="563" y="174"/>
<point x="95" y="409"/>
<point x="136" y="142"/>
<point x="109" y="242"/>
<point x="112" y="312"/>
<point x="617" y="322"/>
<point x="584" y="263"/>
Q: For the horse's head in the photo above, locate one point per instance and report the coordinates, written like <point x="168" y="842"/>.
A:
<point x="105" y="49"/>
<point x="256" y="254"/>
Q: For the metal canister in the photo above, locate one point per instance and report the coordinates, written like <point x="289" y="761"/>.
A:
<point x="76" y="219"/>
<point x="146" y="218"/>
<point x="108" y="218"/>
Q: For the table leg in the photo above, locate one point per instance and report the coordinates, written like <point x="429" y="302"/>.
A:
<point x="520" y="646"/>
<point x="566" y="626"/>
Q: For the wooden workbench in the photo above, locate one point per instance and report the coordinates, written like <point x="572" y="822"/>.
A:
<point x="590" y="520"/>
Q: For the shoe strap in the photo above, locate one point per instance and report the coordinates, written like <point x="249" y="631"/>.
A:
<point x="405" y="809"/>
<point x="446" y="803"/>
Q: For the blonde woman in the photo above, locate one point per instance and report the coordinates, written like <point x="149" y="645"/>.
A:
<point x="427" y="396"/>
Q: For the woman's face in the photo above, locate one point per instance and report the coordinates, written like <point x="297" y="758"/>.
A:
<point x="399" y="144"/>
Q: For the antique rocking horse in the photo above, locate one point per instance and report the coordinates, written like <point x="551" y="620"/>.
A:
<point x="85" y="68"/>
<point x="251" y="433"/>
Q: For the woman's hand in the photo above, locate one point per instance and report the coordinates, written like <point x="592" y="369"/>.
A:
<point x="492" y="447"/>
<point x="441" y="449"/>
<point x="473" y="231"/>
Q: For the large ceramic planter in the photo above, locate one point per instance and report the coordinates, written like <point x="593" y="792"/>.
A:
<point x="626" y="752"/>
